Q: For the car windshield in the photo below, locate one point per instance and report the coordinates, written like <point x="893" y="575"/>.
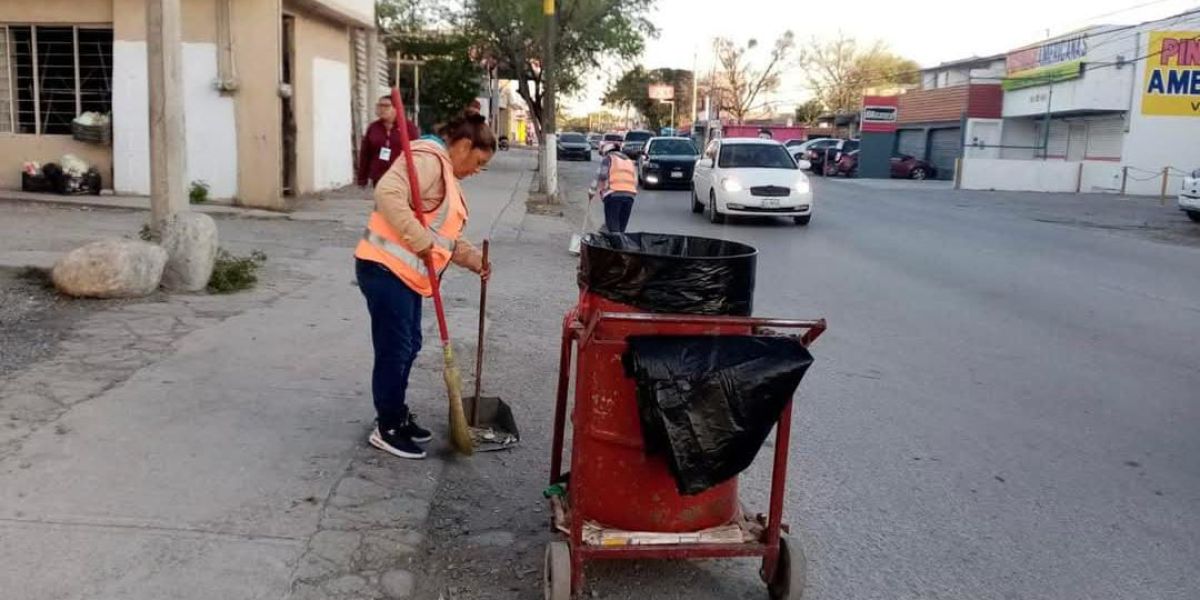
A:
<point x="573" y="138"/>
<point x="612" y="137"/>
<point x="755" y="156"/>
<point x="672" y="147"/>
<point x="638" y="136"/>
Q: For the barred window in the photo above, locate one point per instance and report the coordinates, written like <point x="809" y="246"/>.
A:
<point x="51" y="74"/>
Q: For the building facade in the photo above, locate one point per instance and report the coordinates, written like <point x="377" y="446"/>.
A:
<point x="274" y="91"/>
<point x="931" y="121"/>
<point x="1104" y="109"/>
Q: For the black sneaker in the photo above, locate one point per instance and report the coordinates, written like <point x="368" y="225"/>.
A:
<point x="396" y="443"/>
<point x="418" y="434"/>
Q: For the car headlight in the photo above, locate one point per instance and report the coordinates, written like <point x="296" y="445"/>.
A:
<point x="730" y="184"/>
<point x="802" y="186"/>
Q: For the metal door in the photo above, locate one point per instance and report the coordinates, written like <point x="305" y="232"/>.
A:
<point x="911" y="142"/>
<point x="1077" y="135"/>
<point x="945" y="146"/>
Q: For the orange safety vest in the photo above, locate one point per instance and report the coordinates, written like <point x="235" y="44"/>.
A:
<point x="622" y="175"/>
<point x="381" y="243"/>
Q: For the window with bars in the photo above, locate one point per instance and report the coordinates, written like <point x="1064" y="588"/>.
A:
<point x="51" y="74"/>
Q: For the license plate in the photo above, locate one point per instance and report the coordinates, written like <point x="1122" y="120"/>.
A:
<point x="676" y="175"/>
<point x="770" y="203"/>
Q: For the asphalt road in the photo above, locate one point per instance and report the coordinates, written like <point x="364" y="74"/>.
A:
<point x="1006" y="405"/>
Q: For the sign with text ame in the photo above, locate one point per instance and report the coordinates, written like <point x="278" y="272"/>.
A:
<point x="1172" y="83"/>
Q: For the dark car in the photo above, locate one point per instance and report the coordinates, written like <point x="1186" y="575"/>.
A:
<point x="668" y="161"/>
<point x="635" y="142"/>
<point x="847" y="165"/>
<point x="911" y="167"/>
<point x="573" y="145"/>
<point x="594" y="140"/>
<point x="612" y="138"/>
<point x="814" y="152"/>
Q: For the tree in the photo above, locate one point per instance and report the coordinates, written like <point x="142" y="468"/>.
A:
<point x="740" y="84"/>
<point x="590" y="32"/>
<point x="449" y="76"/>
<point x="809" y="111"/>
<point x="633" y="90"/>
<point x="838" y="70"/>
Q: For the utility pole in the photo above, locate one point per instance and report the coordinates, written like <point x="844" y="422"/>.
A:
<point x="164" y="62"/>
<point x="550" y="143"/>
<point x="695" y="89"/>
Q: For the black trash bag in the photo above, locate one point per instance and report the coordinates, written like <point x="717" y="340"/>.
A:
<point x="658" y="272"/>
<point x="708" y="402"/>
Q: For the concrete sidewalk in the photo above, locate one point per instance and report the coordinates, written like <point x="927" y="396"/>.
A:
<point x="213" y="447"/>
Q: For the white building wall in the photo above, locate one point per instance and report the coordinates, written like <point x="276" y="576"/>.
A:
<point x="1156" y="141"/>
<point x="209" y="121"/>
<point x="1019" y="136"/>
<point x="332" y="157"/>
<point x="1100" y="88"/>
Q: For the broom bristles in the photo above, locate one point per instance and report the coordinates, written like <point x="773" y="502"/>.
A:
<point x="460" y="432"/>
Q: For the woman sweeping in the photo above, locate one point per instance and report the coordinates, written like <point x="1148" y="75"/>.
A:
<point x="390" y="264"/>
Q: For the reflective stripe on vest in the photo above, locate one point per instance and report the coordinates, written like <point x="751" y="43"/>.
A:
<point x="381" y="244"/>
<point x="622" y="177"/>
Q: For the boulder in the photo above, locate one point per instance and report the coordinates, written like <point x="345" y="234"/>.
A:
<point x="190" y="239"/>
<point x="112" y="268"/>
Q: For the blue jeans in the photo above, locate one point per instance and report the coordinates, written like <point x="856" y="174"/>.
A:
<point x="617" y="208"/>
<point x="396" y="334"/>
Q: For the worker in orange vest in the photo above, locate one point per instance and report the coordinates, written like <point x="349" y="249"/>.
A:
<point x="390" y="265"/>
<point x="616" y="184"/>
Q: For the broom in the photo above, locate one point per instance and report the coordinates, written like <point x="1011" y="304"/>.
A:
<point x="460" y="432"/>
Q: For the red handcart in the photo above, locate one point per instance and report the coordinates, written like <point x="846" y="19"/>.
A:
<point x="619" y="503"/>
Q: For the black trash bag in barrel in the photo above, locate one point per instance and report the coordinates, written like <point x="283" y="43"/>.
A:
<point x="663" y="273"/>
<point x="709" y="402"/>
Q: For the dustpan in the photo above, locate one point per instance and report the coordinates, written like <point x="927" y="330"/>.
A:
<point x="491" y="419"/>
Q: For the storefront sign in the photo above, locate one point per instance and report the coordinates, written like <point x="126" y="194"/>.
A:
<point x="1060" y="60"/>
<point x="658" y="91"/>
<point x="879" y="114"/>
<point x="1172" y="84"/>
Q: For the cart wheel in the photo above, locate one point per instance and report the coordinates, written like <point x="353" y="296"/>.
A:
<point x="556" y="580"/>
<point x="790" y="573"/>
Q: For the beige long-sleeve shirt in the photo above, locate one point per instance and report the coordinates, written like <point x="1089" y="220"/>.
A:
<point x="393" y="199"/>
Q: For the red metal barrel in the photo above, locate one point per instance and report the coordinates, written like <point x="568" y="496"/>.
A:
<point x="621" y="486"/>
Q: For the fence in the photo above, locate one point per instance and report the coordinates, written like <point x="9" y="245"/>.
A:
<point x="1067" y="176"/>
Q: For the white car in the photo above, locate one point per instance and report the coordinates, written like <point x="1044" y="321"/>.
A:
<point x="1189" y="196"/>
<point x="751" y="177"/>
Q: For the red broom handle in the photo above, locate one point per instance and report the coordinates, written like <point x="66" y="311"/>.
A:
<point x="419" y="209"/>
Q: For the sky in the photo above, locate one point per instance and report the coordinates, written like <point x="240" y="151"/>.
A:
<point x="927" y="31"/>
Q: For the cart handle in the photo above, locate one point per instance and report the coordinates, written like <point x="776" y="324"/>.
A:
<point x="815" y="327"/>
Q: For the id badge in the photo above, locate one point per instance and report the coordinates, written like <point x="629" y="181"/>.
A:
<point x="385" y="153"/>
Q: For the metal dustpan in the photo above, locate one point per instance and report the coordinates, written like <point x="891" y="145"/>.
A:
<point x="492" y="424"/>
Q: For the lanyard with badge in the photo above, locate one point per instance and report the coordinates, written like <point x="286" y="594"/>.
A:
<point x="385" y="152"/>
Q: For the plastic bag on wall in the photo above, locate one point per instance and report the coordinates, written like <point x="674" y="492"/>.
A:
<point x="663" y="273"/>
<point x="709" y="402"/>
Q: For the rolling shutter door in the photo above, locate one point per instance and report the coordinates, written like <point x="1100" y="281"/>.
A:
<point x="911" y="142"/>
<point x="1056" y="146"/>
<point x="945" y="146"/>
<point x="1105" y="138"/>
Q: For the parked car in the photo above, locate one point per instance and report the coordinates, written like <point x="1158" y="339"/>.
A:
<point x="834" y="153"/>
<point x="573" y="145"/>
<point x="668" y="161"/>
<point x="613" y="138"/>
<point x="752" y="177"/>
<point x="1189" y="196"/>
<point x="911" y="167"/>
<point x="634" y="141"/>
<point x="847" y="165"/>
<point x="594" y="140"/>
<point x="814" y="152"/>
<point x="793" y="143"/>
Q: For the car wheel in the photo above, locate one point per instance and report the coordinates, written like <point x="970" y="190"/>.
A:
<point x="852" y="173"/>
<point x="714" y="217"/>
<point x="697" y="206"/>
<point x="918" y="173"/>
<point x="1194" y="215"/>
<point x="802" y="220"/>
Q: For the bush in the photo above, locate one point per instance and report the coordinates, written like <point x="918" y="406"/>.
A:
<point x="232" y="273"/>
<point x="198" y="192"/>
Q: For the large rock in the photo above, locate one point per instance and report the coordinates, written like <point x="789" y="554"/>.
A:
<point x="190" y="239"/>
<point x="113" y="268"/>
